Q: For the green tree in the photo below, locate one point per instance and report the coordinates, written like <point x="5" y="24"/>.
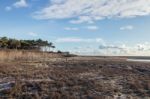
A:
<point x="24" y="44"/>
<point x="4" y="42"/>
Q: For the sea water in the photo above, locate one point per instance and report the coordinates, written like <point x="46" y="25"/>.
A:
<point x="139" y="60"/>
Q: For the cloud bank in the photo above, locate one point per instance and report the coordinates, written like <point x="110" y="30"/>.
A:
<point x="98" y="46"/>
<point x="79" y="11"/>
<point x="114" y="50"/>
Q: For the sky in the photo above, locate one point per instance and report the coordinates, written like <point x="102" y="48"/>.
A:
<point x="85" y="27"/>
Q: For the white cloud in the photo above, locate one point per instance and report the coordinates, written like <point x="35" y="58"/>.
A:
<point x="8" y="8"/>
<point x="57" y="1"/>
<point x="143" y="47"/>
<point x="82" y="19"/>
<point x="32" y="34"/>
<point x="89" y="11"/>
<point x="71" y="28"/>
<point x="78" y="40"/>
<point x="128" y="27"/>
<point x="20" y="3"/>
<point x="92" y="27"/>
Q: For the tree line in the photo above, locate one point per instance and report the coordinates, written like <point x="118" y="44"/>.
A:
<point x="9" y="43"/>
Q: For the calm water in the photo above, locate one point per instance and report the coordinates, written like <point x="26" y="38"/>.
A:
<point x="139" y="60"/>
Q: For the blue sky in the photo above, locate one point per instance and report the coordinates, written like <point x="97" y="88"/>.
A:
<point x="89" y="27"/>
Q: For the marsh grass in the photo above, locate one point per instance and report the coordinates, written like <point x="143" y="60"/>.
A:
<point x="13" y="55"/>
